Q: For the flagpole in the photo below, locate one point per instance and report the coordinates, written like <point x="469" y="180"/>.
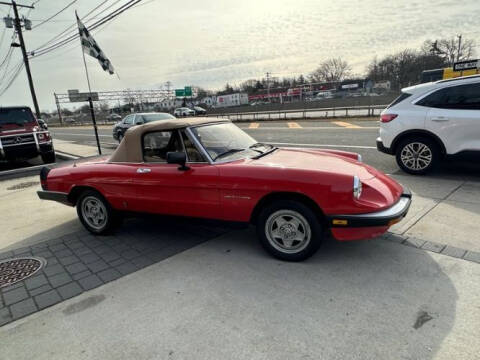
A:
<point x="92" y="112"/>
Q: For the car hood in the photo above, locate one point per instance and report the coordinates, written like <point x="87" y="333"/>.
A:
<point x="312" y="159"/>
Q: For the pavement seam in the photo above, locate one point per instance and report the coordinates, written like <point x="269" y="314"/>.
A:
<point x="434" y="206"/>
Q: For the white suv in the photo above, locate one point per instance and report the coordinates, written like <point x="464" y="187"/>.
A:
<point x="428" y="122"/>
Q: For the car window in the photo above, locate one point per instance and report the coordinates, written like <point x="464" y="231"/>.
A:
<point x="154" y="117"/>
<point x="193" y="155"/>
<point x="157" y="144"/>
<point x="16" y="116"/>
<point x="399" y="99"/>
<point x="454" y="97"/>
<point x="129" y="119"/>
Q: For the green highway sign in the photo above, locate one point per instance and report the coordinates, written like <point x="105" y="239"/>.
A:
<point x="187" y="91"/>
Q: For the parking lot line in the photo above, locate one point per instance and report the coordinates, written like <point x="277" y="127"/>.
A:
<point x="294" y="125"/>
<point x="346" y="124"/>
<point x="253" y="125"/>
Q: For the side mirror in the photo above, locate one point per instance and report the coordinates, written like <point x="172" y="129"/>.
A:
<point x="179" y="158"/>
<point x="42" y="124"/>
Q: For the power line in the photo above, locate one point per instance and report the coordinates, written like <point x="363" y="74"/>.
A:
<point x="57" y="13"/>
<point x="108" y="17"/>
<point x="69" y="27"/>
<point x="100" y="22"/>
<point x="13" y="78"/>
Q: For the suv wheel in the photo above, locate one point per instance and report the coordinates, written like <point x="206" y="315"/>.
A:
<point x="289" y="230"/>
<point x="96" y="214"/>
<point x="119" y="137"/>
<point x="48" y="157"/>
<point x="417" y="155"/>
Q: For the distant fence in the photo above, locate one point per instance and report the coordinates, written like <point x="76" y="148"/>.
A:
<point x="347" y="111"/>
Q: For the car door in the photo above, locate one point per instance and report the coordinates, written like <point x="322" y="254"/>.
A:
<point x="163" y="188"/>
<point x="127" y="122"/>
<point x="454" y="116"/>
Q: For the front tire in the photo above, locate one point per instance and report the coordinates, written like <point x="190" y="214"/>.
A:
<point x="119" y="137"/>
<point x="96" y="214"/>
<point x="417" y="155"/>
<point x="48" y="157"/>
<point x="289" y="230"/>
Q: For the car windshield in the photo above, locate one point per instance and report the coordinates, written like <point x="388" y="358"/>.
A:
<point x="225" y="141"/>
<point x="18" y="116"/>
<point x="154" y="117"/>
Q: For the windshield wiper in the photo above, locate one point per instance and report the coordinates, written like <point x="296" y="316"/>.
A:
<point x="228" y="152"/>
<point x="273" y="148"/>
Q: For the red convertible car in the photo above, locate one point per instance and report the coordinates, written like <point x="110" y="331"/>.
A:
<point x="210" y="168"/>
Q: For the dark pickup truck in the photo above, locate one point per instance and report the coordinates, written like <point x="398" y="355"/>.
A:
<point x="22" y="136"/>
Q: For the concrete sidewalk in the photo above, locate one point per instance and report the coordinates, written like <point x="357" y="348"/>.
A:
<point x="226" y="299"/>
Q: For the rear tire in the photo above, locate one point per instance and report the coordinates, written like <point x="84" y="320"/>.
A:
<point x="289" y="230"/>
<point x="96" y="214"/>
<point x="48" y="157"/>
<point x="417" y="155"/>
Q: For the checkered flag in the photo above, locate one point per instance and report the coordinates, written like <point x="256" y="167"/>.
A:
<point x="90" y="47"/>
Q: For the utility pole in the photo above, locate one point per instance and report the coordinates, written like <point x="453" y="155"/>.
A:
<point x="58" y="109"/>
<point x="18" y="28"/>
<point x="267" y="76"/>
<point x="459" y="45"/>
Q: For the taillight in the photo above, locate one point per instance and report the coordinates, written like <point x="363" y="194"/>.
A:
<point x="387" y="117"/>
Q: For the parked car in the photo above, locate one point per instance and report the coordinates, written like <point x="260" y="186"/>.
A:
<point x="183" y="111"/>
<point x="24" y="137"/>
<point x="113" y="117"/>
<point x="69" y="120"/>
<point x="210" y="168"/>
<point x="199" y="110"/>
<point x="432" y="121"/>
<point x="136" y="119"/>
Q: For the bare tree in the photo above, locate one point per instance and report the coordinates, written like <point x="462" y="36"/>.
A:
<point x="448" y="49"/>
<point x="331" y="70"/>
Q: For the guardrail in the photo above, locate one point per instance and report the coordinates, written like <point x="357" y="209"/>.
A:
<point x="367" y="110"/>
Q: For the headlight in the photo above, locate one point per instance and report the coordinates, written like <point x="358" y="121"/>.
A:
<point x="357" y="187"/>
<point x="41" y="136"/>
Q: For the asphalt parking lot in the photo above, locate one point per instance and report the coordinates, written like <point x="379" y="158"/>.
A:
<point x="166" y="288"/>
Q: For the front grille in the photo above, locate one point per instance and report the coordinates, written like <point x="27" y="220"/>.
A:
<point x="17" y="139"/>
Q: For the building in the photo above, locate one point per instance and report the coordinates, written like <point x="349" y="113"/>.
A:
<point x="231" y="100"/>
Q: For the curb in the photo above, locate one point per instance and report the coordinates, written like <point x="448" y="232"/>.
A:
<point x="447" y="250"/>
<point x="66" y="156"/>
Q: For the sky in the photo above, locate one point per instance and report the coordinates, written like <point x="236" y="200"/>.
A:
<point x="209" y="43"/>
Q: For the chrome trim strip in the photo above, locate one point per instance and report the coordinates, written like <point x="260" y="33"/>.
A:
<point x="2" y="154"/>
<point x="198" y="145"/>
<point x="23" y="143"/>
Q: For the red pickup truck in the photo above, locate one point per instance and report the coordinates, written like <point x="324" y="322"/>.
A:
<point x="24" y="137"/>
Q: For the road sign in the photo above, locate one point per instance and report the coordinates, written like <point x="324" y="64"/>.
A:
<point x="188" y="91"/>
<point x="179" y="92"/>
<point x="466" y="65"/>
<point x="76" y="96"/>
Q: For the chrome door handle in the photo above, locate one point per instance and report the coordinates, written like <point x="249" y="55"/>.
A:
<point x="440" y="118"/>
<point x="143" y="170"/>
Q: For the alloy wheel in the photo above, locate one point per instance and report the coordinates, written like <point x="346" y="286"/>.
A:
<point x="288" y="231"/>
<point x="94" y="212"/>
<point x="416" y="156"/>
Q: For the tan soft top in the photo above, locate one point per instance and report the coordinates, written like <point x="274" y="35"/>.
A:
<point x="130" y="149"/>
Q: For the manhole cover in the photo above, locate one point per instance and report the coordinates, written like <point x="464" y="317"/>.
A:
<point x="14" y="270"/>
<point x="23" y="185"/>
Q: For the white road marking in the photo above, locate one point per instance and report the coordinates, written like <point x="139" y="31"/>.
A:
<point x="311" y="128"/>
<point x="325" y="145"/>
<point x="73" y="134"/>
